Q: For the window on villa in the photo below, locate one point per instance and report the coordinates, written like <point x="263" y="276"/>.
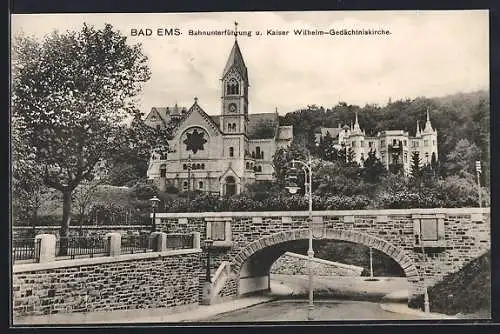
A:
<point x="370" y="144"/>
<point x="185" y="185"/>
<point x="394" y="142"/>
<point x="163" y="171"/>
<point x="362" y="144"/>
<point x="184" y="167"/>
<point x="257" y="152"/>
<point x="231" y="151"/>
<point x="353" y="143"/>
<point x="202" y="166"/>
<point x="158" y="127"/>
<point x="426" y="143"/>
<point x="200" y="185"/>
<point x="248" y="165"/>
<point x="404" y="142"/>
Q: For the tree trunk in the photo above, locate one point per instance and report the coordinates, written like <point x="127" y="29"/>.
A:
<point x="66" y="218"/>
<point x="34" y="222"/>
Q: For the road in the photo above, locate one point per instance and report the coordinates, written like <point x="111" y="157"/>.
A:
<point x="336" y="298"/>
<point x="296" y="310"/>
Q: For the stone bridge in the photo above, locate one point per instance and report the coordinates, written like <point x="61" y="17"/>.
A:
<point x="246" y="244"/>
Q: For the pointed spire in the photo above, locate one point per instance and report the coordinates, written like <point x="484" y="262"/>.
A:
<point x="235" y="60"/>
<point x="235" y="31"/>
<point x="356" y="128"/>
<point x="428" y="125"/>
<point x="418" y="129"/>
<point x="195" y="100"/>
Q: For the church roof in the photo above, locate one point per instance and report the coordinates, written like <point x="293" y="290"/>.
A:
<point x="167" y="112"/>
<point x="260" y="126"/>
<point x="236" y="61"/>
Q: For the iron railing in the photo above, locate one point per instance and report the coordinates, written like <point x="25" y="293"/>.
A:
<point x="135" y="244"/>
<point x="73" y="247"/>
<point x="26" y="249"/>
<point x="179" y="241"/>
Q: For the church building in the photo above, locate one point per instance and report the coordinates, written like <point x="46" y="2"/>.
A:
<point x="222" y="153"/>
<point x="392" y="147"/>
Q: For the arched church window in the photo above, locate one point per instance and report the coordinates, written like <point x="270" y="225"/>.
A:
<point x="232" y="87"/>
<point x="248" y="165"/>
<point x="163" y="170"/>
<point x="234" y="127"/>
<point x="257" y="152"/>
<point x="231" y="151"/>
<point x="200" y="185"/>
<point x="262" y="154"/>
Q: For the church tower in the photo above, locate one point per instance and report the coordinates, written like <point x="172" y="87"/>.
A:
<point x="234" y="117"/>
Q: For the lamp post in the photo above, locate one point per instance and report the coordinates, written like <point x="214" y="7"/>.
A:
<point x="478" y="172"/>
<point x="154" y="204"/>
<point x="426" y="292"/>
<point x="189" y="166"/>
<point x="292" y="188"/>
<point x="208" y="246"/>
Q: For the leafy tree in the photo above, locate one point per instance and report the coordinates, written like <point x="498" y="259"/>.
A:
<point x="461" y="160"/>
<point x="326" y="149"/>
<point x="83" y="197"/>
<point x="283" y="157"/>
<point x="373" y="169"/>
<point x="415" y="171"/>
<point x="73" y="92"/>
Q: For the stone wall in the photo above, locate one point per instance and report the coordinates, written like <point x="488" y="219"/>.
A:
<point x="132" y="281"/>
<point x="297" y="264"/>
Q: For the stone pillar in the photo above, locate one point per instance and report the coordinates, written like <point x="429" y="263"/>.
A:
<point x="153" y="241"/>
<point x="114" y="241"/>
<point x="47" y="247"/>
<point x="196" y="240"/>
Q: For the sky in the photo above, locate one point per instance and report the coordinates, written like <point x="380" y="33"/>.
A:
<point x="428" y="53"/>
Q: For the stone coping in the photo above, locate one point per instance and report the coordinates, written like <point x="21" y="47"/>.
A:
<point x="20" y="268"/>
<point x="305" y="213"/>
<point x="84" y="227"/>
<point x="331" y="263"/>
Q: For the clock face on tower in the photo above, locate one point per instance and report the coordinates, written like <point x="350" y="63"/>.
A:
<point x="232" y="107"/>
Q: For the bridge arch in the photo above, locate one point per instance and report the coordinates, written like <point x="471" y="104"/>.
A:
<point x="257" y="257"/>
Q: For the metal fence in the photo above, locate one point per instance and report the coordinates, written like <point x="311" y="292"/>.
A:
<point x="179" y="241"/>
<point x="73" y="247"/>
<point x="24" y="249"/>
<point x="135" y="244"/>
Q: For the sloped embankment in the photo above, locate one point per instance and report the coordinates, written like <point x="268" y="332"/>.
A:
<point x="466" y="292"/>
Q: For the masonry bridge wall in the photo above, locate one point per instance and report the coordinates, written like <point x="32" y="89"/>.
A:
<point x="253" y="241"/>
<point x="132" y="281"/>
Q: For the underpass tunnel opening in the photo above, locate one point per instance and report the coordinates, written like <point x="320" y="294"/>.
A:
<point x="356" y="254"/>
<point x="260" y="267"/>
<point x="254" y="274"/>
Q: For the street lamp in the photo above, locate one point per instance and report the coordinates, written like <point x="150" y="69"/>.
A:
<point x="208" y="246"/>
<point x="293" y="188"/>
<point x="154" y="204"/>
<point x="426" y="292"/>
<point x="478" y="172"/>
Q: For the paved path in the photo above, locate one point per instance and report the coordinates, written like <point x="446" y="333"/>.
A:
<point x="197" y="313"/>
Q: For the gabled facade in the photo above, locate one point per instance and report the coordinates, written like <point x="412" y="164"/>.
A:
<point x="219" y="153"/>
<point x="392" y="147"/>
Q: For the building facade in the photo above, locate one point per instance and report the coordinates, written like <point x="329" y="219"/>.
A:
<point x="218" y="153"/>
<point x="392" y="147"/>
